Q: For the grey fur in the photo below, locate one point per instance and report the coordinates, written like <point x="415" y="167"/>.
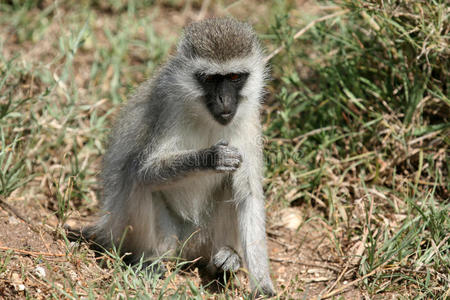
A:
<point x="170" y="177"/>
<point x="218" y="39"/>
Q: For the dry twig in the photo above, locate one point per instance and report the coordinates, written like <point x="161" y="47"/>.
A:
<point x="287" y="261"/>
<point x="33" y="253"/>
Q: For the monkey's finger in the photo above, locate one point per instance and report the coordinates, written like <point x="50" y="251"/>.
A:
<point x="225" y="169"/>
<point x="227" y="259"/>
<point x="233" y="157"/>
<point x="229" y="150"/>
<point x="227" y="161"/>
<point x="232" y="263"/>
<point x="221" y="142"/>
<point x="237" y="162"/>
<point x="235" y="151"/>
<point x="231" y="161"/>
<point x="229" y="169"/>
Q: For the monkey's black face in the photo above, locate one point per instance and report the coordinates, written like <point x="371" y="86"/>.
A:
<point x="222" y="93"/>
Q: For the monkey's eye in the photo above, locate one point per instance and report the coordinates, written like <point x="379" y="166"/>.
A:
<point x="234" y="77"/>
<point x="205" y="78"/>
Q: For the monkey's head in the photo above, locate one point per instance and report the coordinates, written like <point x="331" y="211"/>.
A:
<point x="225" y="64"/>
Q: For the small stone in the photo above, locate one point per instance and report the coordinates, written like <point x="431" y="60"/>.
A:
<point x="13" y="221"/>
<point x="73" y="275"/>
<point x="15" y="277"/>
<point x="40" y="271"/>
<point x="290" y="218"/>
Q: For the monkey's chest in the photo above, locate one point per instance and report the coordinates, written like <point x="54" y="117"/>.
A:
<point x="194" y="198"/>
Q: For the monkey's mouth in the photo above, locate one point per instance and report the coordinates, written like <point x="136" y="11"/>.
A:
<point x="224" y="118"/>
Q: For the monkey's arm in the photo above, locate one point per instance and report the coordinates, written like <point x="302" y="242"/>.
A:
<point x="165" y="169"/>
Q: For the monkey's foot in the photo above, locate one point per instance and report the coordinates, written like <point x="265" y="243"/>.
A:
<point x="226" y="259"/>
<point x="153" y="268"/>
<point x="264" y="289"/>
<point x="266" y="292"/>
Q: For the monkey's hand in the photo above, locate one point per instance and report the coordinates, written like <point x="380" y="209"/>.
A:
<point x="223" y="158"/>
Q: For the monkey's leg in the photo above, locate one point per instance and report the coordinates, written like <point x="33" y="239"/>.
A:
<point x="153" y="230"/>
<point x="225" y="246"/>
<point x="249" y="199"/>
<point x="253" y="240"/>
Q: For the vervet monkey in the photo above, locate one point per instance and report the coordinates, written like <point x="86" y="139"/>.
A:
<point x="184" y="164"/>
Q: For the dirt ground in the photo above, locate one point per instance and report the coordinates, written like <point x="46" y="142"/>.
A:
<point x="302" y="262"/>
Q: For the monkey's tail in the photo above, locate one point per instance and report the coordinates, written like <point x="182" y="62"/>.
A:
<point x="84" y="234"/>
<point x="87" y="235"/>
